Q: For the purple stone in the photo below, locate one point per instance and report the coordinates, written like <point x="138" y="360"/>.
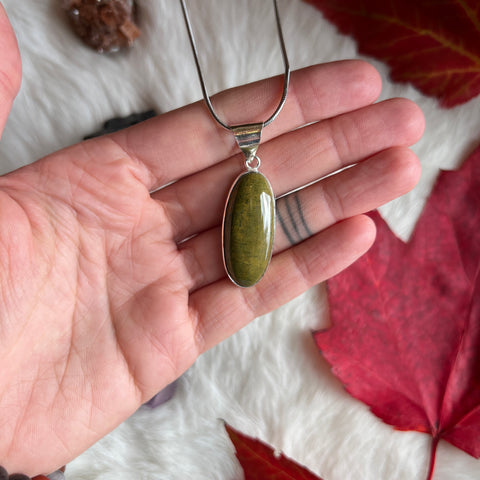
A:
<point x="163" y="396"/>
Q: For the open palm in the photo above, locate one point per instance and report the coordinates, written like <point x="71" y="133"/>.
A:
<point x="109" y="291"/>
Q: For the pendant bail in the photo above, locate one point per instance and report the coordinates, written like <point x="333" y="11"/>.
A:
<point x="248" y="138"/>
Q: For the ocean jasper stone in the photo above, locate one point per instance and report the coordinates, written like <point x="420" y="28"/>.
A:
<point x="248" y="229"/>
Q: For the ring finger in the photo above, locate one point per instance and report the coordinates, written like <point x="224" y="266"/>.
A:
<point x="304" y="213"/>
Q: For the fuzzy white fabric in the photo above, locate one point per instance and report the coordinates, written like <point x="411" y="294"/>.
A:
<point x="268" y="380"/>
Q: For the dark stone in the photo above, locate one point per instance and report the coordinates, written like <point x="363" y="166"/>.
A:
<point x="18" y="476"/>
<point x="118" y="123"/>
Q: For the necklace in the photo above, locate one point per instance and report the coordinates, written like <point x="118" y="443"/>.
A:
<point x="248" y="226"/>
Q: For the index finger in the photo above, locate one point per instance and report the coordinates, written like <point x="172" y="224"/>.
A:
<point x="187" y="140"/>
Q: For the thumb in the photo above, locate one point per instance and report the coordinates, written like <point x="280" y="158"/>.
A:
<point x="10" y="67"/>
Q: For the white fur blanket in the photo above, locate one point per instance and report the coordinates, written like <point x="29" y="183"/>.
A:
<point x="268" y="380"/>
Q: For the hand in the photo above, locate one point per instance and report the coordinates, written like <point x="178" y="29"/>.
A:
<point x="110" y="292"/>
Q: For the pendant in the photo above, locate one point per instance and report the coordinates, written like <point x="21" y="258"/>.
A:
<point x="248" y="229"/>
<point x="249" y="218"/>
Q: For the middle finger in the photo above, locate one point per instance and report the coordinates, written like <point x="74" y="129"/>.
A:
<point x="196" y="203"/>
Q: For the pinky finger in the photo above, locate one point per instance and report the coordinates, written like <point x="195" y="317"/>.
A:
<point x="221" y="309"/>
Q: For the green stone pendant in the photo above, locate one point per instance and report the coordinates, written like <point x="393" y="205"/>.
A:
<point x="248" y="228"/>
<point x="249" y="218"/>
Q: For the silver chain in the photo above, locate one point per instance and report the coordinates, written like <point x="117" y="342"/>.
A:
<point x="286" y="76"/>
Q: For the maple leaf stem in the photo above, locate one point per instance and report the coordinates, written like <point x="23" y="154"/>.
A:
<point x="433" y="454"/>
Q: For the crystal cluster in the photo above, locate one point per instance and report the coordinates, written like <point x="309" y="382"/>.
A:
<point x="104" y="25"/>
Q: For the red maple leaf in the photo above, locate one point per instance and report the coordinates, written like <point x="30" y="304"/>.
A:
<point x="259" y="461"/>
<point x="405" y="338"/>
<point x="435" y="45"/>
